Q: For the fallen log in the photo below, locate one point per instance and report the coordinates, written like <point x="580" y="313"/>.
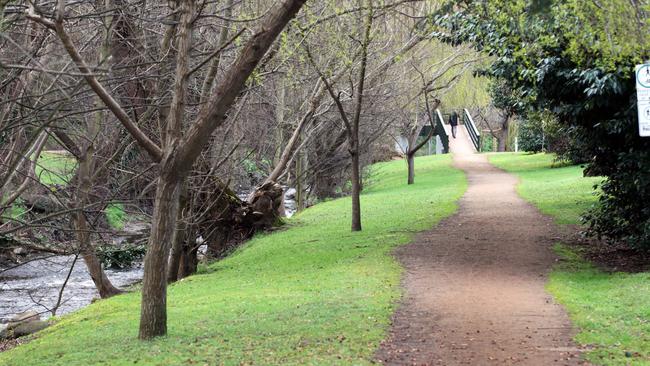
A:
<point x="232" y="220"/>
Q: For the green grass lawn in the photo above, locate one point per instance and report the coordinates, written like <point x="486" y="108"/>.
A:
<point x="612" y="310"/>
<point x="315" y="293"/>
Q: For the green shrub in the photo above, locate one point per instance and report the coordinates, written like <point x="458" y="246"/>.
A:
<point x="115" y="215"/>
<point x="120" y="257"/>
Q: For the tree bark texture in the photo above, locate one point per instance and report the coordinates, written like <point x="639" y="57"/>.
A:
<point x="179" y="237"/>
<point x="356" y="187"/>
<point x="410" y="160"/>
<point x="153" y="310"/>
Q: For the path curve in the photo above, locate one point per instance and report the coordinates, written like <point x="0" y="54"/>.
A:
<point x="474" y="285"/>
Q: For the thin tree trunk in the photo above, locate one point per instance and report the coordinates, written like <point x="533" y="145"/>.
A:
<point x="410" y="159"/>
<point x="300" y="204"/>
<point x="356" y="185"/>
<point x="214" y="66"/>
<point x="87" y="250"/>
<point x="189" y="261"/>
<point x="279" y="120"/>
<point x="354" y="138"/>
<point x="413" y="149"/>
<point x="502" y="139"/>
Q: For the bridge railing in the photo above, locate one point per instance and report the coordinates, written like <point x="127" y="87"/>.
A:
<point x="473" y="132"/>
<point x="440" y="131"/>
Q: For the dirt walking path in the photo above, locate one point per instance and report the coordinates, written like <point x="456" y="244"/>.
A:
<point x="474" y="285"/>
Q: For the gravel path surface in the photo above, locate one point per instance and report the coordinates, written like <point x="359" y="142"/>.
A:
<point x="474" y="285"/>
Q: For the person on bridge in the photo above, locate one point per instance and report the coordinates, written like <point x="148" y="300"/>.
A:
<point x="453" y="121"/>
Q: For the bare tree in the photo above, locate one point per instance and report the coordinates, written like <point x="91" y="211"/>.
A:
<point x="179" y="150"/>
<point x="352" y="123"/>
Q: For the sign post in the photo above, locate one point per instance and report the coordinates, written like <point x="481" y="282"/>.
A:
<point x="643" y="98"/>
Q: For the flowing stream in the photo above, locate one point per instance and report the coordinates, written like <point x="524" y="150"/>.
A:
<point x="36" y="285"/>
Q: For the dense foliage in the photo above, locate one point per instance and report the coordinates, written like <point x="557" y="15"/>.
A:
<point x="576" y="59"/>
<point x="120" y="257"/>
<point x="534" y="133"/>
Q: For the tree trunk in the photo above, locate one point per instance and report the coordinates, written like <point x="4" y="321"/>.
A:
<point x="101" y="281"/>
<point x="502" y="143"/>
<point x="502" y="140"/>
<point x="299" y="197"/>
<point x="356" y="184"/>
<point x="214" y="66"/>
<point x="279" y="120"/>
<point x="354" y="126"/>
<point x="189" y="260"/>
<point x="85" y="173"/>
<point x="179" y="237"/>
<point x="153" y="312"/>
<point x="410" y="159"/>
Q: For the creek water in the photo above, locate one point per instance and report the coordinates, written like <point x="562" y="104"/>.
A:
<point x="35" y="286"/>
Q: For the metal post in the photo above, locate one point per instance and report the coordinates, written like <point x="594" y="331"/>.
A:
<point x="516" y="143"/>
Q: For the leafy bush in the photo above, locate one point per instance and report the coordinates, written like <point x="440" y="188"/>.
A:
<point x="541" y="132"/>
<point x="120" y="257"/>
<point x="487" y="142"/>
<point x="115" y="215"/>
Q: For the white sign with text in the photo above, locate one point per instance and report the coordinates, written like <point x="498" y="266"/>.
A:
<point x="643" y="98"/>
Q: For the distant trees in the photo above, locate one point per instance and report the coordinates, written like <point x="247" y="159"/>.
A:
<point x="439" y="77"/>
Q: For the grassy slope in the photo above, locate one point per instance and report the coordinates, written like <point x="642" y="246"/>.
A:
<point x="54" y="168"/>
<point x="313" y="294"/>
<point x="58" y="169"/>
<point x="611" y="309"/>
<point x="560" y="192"/>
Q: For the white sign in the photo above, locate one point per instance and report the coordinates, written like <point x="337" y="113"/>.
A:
<point x="643" y="98"/>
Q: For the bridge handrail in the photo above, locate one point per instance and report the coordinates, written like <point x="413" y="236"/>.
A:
<point x="441" y="132"/>
<point x="473" y="132"/>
